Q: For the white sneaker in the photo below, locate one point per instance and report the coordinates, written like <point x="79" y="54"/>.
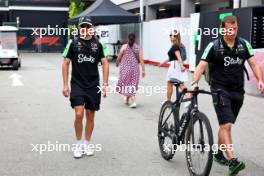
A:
<point x="78" y="153"/>
<point x="133" y="105"/>
<point x="87" y="149"/>
<point x="89" y="152"/>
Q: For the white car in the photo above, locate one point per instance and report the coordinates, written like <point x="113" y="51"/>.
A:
<point x="8" y="47"/>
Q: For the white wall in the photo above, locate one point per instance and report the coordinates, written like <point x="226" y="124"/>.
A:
<point x="156" y="41"/>
<point x="194" y="24"/>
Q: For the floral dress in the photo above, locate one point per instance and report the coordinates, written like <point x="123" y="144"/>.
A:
<point x="129" y="72"/>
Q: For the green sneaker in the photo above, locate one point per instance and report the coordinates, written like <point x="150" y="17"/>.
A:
<point x="220" y="158"/>
<point x="235" y="166"/>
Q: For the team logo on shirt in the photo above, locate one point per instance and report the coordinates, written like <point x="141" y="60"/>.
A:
<point x="83" y="58"/>
<point x="79" y="46"/>
<point x="94" y="47"/>
<point x="232" y="61"/>
<point x="240" y="48"/>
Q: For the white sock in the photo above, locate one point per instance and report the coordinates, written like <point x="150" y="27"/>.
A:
<point x="79" y="142"/>
<point x="86" y="142"/>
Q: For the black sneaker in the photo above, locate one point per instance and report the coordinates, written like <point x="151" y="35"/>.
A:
<point x="220" y="158"/>
<point x="235" y="166"/>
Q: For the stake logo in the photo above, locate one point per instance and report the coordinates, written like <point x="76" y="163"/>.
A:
<point x="232" y="61"/>
<point x="84" y="58"/>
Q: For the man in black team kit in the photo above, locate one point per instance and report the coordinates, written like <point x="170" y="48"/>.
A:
<point x="226" y="57"/>
<point x="84" y="52"/>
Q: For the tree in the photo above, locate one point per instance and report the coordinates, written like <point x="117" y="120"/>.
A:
<point x="76" y="7"/>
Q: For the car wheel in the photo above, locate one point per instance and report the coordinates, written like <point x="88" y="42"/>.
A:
<point x="15" y="64"/>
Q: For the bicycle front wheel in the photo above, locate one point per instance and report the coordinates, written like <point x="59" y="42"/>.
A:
<point x="199" y="141"/>
<point x="166" y="130"/>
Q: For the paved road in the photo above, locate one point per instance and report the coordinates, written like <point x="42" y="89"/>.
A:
<point x="37" y="113"/>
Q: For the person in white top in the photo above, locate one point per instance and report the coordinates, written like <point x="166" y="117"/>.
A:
<point x="177" y="70"/>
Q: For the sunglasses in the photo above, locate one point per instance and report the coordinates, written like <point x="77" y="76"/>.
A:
<point x="173" y="35"/>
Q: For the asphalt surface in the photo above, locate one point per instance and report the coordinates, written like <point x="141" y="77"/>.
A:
<point x="37" y="113"/>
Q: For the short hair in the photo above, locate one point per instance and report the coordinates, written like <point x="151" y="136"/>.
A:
<point x="229" y="19"/>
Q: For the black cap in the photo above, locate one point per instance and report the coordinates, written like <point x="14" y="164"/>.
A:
<point x="85" y="20"/>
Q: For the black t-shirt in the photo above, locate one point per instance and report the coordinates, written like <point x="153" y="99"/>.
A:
<point x="171" y="53"/>
<point x="227" y="64"/>
<point x="85" y="56"/>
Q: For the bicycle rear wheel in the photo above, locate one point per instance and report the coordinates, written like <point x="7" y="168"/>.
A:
<point x="199" y="141"/>
<point x="166" y="130"/>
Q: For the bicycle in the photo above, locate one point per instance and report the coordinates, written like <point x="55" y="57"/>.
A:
<point x="182" y="131"/>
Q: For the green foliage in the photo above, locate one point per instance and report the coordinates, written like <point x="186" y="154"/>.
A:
<point x="76" y="7"/>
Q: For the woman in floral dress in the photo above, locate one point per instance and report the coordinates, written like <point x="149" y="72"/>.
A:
<point x="128" y="59"/>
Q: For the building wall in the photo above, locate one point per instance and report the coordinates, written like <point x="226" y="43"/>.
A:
<point x="186" y="5"/>
<point x="53" y="3"/>
<point x="39" y="18"/>
<point x="3" y="16"/>
<point x="156" y="40"/>
<point x="213" y="7"/>
<point x="250" y="3"/>
<point x="33" y="15"/>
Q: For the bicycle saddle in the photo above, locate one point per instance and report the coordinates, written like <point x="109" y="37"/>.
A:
<point x="176" y="82"/>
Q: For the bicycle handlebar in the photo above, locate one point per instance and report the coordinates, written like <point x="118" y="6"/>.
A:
<point x="197" y="91"/>
<point x="200" y="91"/>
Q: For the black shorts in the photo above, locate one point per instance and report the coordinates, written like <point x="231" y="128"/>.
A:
<point x="89" y="98"/>
<point x="228" y="108"/>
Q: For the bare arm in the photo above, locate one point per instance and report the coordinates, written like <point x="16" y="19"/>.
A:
<point x="105" y="66"/>
<point x="178" y="56"/>
<point x="255" y="67"/>
<point x="257" y="72"/>
<point x="163" y="62"/>
<point x="65" y="76"/>
<point x="199" y="70"/>
<point x="141" y="60"/>
<point x="120" y="54"/>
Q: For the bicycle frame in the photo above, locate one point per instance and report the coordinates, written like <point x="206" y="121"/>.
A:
<point x="188" y="127"/>
<point x="183" y="123"/>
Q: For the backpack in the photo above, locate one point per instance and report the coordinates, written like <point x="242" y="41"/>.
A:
<point x="219" y="49"/>
<point x="183" y="54"/>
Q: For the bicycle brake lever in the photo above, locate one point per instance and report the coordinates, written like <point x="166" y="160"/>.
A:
<point x="184" y="90"/>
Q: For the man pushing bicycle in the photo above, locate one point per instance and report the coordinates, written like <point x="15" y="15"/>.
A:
<point x="226" y="57"/>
